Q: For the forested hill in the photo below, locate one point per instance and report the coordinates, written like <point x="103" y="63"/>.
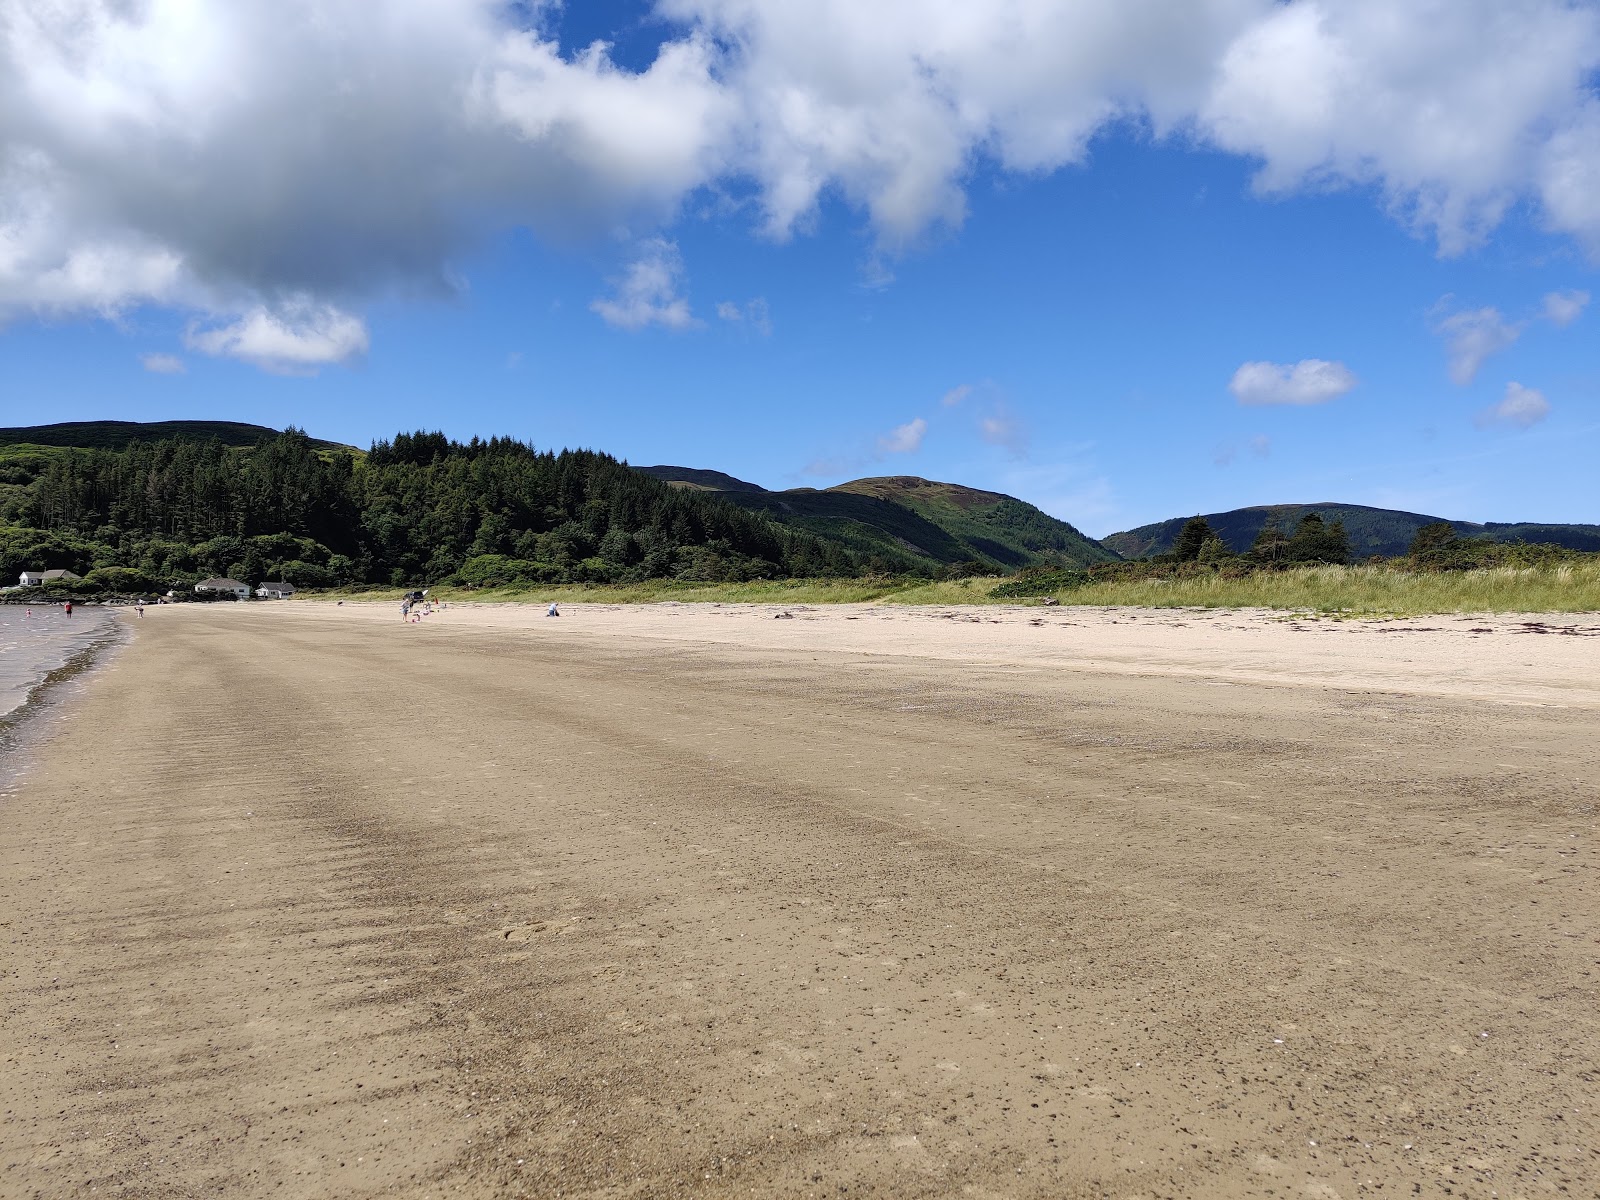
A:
<point x="1383" y="531"/>
<point x="913" y="524"/>
<point x="118" y="435"/>
<point x="418" y="509"/>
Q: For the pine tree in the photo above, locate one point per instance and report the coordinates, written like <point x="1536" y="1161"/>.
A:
<point x="1195" y="533"/>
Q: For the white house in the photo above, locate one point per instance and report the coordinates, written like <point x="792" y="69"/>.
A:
<point x="280" y="590"/>
<point x="39" y="578"/>
<point x="240" y="590"/>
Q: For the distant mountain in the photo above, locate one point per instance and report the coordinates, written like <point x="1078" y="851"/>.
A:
<point x="709" y="481"/>
<point x="1383" y="531"/>
<point x="904" y="522"/>
<point x="116" y="435"/>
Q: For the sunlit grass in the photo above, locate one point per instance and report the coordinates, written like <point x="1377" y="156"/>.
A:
<point x="1363" y="591"/>
<point x="1331" y="591"/>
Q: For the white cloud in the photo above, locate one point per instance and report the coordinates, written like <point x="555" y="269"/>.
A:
<point x="222" y="155"/>
<point x="1002" y="427"/>
<point x="296" y="338"/>
<point x="1309" y="381"/>
<point x="1563" y="308"/>
<point x="1471" y="337"/>
<point x="904" y="439"/>
<point x="956" y="395"/>
<point x="648" y="293"/>
<point x="162" y="364"/>
<point x="1454" y="110"/>
<point x="755" y="312"/>
<point x="1521" y="406"/>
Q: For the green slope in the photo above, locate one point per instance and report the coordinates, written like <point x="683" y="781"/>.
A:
<point x="903" y="522"/>
<point x="710" y="481"/>
<point x="1383" y="531"/>
<point x="117" y="435"/>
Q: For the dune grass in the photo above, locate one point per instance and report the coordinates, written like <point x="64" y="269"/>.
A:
<point x="1331" y="591"/>
<point x="1364" y="591"/>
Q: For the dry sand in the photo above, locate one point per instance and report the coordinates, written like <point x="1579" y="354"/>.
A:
<point x="301" y="901"/>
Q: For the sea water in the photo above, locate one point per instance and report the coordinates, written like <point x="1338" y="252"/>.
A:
<point x="36" y="640"/>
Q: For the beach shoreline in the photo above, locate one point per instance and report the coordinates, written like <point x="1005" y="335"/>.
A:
<point x="304" y="899"/>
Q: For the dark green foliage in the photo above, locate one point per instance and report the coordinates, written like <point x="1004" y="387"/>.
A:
<point x="1271" y="544"/>
<point x="416" y="510"/>
<point x="1315" y="541"/>
<point x="1433" y="540"/>
<point x="1196" y="532"/>
<point x="1041" y="581"/>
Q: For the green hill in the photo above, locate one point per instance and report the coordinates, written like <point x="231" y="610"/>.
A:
<point x="118" y="435"/>
<point x="1383" y="531"/>
<point x="693" y="477"/>
<point x="903" y="522"/>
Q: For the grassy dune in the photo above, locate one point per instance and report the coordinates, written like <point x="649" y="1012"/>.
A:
<point x="1365" y="591"/>
<point x="1348" y="591"/>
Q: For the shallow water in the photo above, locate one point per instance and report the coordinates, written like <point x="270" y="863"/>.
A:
<point x="38" y="639"/>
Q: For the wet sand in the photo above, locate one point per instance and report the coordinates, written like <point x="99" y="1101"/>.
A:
<point x="680" y="900"/>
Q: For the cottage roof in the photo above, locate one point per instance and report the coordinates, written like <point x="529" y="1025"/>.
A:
<point x="220" y="584"/>
<point x="280" y="585"/>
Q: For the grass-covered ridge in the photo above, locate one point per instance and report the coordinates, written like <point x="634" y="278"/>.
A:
<point x="905" y="523"/>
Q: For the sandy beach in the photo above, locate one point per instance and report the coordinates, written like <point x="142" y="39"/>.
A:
<point x="299" y="900"/>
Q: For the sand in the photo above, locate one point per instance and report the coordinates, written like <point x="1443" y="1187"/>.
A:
<point x="685" y="900"/>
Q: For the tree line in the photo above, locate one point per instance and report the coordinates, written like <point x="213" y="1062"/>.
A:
<point x="419" y="509"/>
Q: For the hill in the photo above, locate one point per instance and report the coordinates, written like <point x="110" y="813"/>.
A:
<point x="158" y="514"/>
<point x="693" y="477"/>
<point x="118" y="435"/>
<point x="903" y="522"/>
<point x="1385" y="531"/>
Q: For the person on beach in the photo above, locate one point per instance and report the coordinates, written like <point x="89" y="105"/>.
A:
<point x="139" y="608"/>
<point x="68" y="607"/>
<point x="552" y="612"/>
<point x="405" y="610"/>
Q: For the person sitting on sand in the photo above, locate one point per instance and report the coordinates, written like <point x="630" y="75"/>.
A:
<point x="552" y="612"/>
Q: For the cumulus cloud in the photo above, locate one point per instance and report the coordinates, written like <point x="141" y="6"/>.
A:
<point x="295" y="339"/>
<point x="1309" y="381"/>
<point x="904" y="439"/>
<point x="1563" y="308"/>
<point x="1522" y="407"/>
<point x="162" y="364"/>
<point x="753" y="313"/>
<point x="1471" y="337"/>
<point x="648" y="293"/>
<point x="226" y="156"/>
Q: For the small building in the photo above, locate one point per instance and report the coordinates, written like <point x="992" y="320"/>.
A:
<point x="240" y="590"/>
<point x="40" y="578"/>
<point x="282" y="589"/>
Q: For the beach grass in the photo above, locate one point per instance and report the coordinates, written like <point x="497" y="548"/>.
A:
<point x="1358" y="591"/>
<point x="1363" y="591"/>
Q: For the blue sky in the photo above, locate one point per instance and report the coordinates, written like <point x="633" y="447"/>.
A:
<point x="1077" y="330"/>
